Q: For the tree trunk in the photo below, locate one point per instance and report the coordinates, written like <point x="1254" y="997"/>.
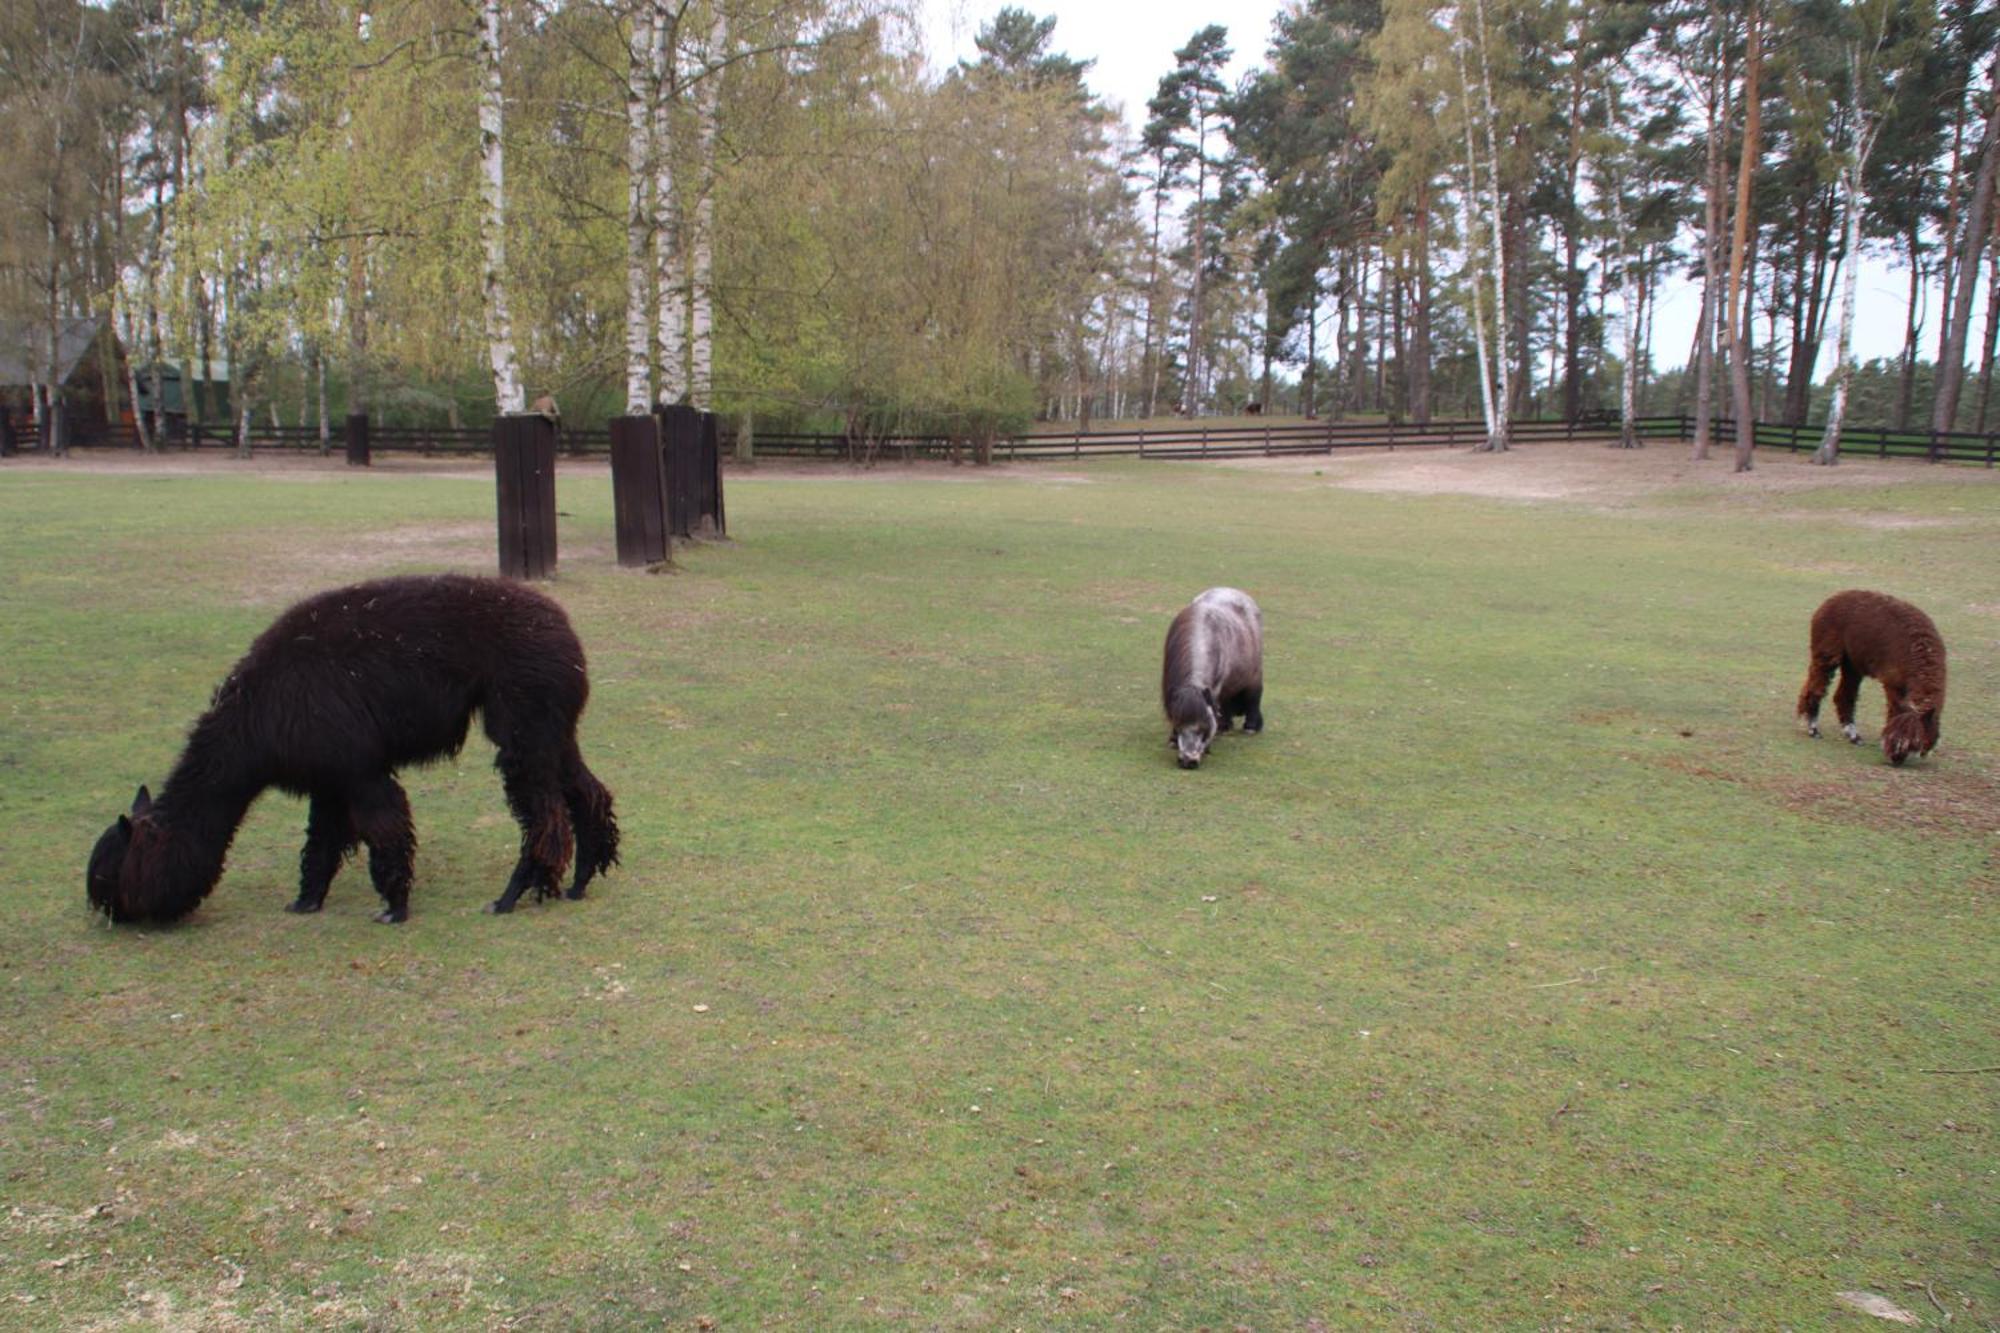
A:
<point x="638" y="219"/>
<point x="1572" y="224"/>
<point x="1828" y="452"/>
<point x="701" y="267"/>
<point x="1149" y="358"/>
<point x="1711" y="250"/>
<point x="325" y="413"/>
<point x="1951" y="365"/>
<point x="1310" y="387"/>
<point x="1191" y="396"/>
<point x="1809" y="307"/>
<point x="671" y="307"/>
<point x="1739" y="311"/>
<point x="1992" y="334"/>
<point x="1912" y="326"/>
<point x="1497" y="425"/>
<point x="1421" y="392"/>
<point x="493" y="216"/>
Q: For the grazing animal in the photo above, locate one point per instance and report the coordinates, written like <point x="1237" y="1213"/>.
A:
<point x="1214" y="672"/>
<point x="341" y="691"/>
<point x="1874" y="634"/>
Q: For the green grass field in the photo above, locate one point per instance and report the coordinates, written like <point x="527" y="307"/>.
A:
<point x="1533" y="969"/>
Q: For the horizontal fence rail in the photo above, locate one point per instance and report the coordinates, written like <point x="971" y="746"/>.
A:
<point x="1188" y="440"/>
<point x="445" y="441"/>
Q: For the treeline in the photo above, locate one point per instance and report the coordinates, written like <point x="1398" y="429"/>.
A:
<point x="439" y="208"/>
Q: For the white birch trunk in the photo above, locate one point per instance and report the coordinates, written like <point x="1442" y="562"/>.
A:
<point x="1711" y="257"/>
<point x="1828" y="452"/>
<point x="701" y="262"/>
<point x="1614" y="189"/>
<point x="319" y="385"/>
<point x="1471" y="234"/>
<point x="638" y="222"/>
<point x="1498" y="432"/>
<point x="671" y="311"/>
<point x="493" y="217"/>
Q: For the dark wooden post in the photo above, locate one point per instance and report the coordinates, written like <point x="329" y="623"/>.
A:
<point x="680" y="443"/>
<point x="524" y="469"/>
<point x="357" y="439"/>
<point x="639" y="490"/>
<point x="708" y="514"/>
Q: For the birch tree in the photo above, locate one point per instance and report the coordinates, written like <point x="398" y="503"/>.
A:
<point x="701" y="256"/>
<point x="1865" y="119"/>
<point x="493" y="216"/>
<point x="638" y="220"/>
<point x="669" y="274"/>
<point x="1614" y="184"/>
<point x="1739" y="246"/>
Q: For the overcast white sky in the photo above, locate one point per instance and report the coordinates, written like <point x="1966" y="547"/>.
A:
<point x="1133" y="45"/>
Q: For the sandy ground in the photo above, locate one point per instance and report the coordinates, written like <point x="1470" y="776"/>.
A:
<point x="1598" y="475"/>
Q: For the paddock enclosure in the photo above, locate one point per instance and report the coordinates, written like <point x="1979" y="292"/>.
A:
<point x="1531" y="969"/>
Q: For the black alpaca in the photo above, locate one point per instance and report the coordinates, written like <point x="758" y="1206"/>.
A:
<point x="340" y="692"/>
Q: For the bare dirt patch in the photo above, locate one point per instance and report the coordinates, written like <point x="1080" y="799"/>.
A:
<point x="1943" y="793"/>
<point x="1614" y="478"/>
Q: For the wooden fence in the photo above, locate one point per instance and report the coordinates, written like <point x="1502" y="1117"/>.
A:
<point x="1188" y="440"/>
<point x="430" y="441"/>
<point x="1196" y="440"/>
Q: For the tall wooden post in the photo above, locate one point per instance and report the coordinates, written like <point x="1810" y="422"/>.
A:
<point x="524" y="467"/>
<point x="639" y="490"/>
<point x="357" y="439"/>
<point x="680" y="443"/>
<point x="708" y="515"/>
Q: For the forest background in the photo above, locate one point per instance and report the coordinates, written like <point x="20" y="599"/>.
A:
<point x="431" y="210"/>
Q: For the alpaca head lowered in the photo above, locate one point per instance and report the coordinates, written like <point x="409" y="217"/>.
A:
<point x="140" y="871"/>
<point x="1195" y="717"/>
<point x="1912" y="731"/>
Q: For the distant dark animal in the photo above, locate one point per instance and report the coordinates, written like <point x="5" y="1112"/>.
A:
<point x="340" y="692"/>
<point x="1214" y="671"/>
<point x="1874" y="634"/>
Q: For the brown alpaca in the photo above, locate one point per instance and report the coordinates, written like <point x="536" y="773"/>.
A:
<point x="1874" y="634"/>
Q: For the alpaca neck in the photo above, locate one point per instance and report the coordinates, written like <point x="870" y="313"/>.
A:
<point x="203" y="800"/>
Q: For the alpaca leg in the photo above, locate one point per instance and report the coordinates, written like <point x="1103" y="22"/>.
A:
<point x="1253" y="711"/>
<point x="591" y="815"/>
<point x="329" y="838"/>
<point x="534" y="794"/>
<point x="1844" y="696"/>
<point x="1819" y="670"/>
<point x="1898" y="740"/>
<point x="382" y="819"/>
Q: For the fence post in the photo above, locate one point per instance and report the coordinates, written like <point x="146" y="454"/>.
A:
<point x="1142" y="442"/>
<point x="1989" y="449"/>
<point x="357" y="439"/>
<point x="638" y="490"/>
<point x="1076" y="448"/>
<point x="524" y="469"/>
<point x="693" y="471"/>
